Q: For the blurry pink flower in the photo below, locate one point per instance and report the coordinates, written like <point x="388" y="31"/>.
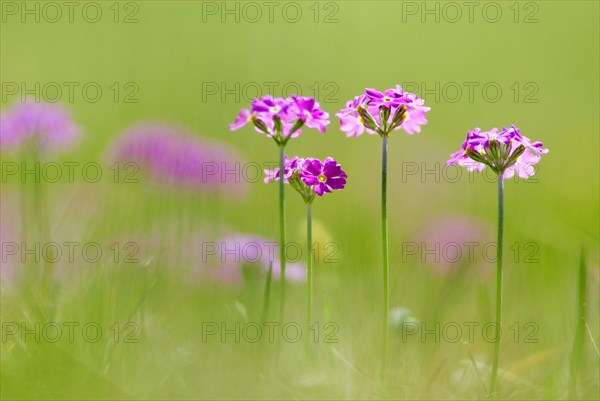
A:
<point x="173" y="156"/>
<point x="221" y="261"/>
<point x="449" y="244"/>
<point x="47" y="125"/>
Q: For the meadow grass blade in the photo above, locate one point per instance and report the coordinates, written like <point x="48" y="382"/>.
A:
<point x="578" y="341"/>
<point x="267" y="293"/>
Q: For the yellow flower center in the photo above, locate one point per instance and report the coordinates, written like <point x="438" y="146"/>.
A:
<point x="274" y="109"/>
<point x="322" y="178"/>
<point x="387" y="99"/>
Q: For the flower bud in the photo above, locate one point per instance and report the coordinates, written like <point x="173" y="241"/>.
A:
<point x="368" y="120"/>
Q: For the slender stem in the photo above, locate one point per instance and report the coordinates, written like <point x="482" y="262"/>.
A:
<point x="309" y="264"/>
<point x="267" y="294"/>
<point x="578" y="342"/>
<point x="281" y="233"/>
<point x="498" y="284"/>
<point x="384" y="235"/>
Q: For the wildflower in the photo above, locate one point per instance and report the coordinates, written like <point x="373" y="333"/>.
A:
<point x="173" y="156"/>
<point x="281" y="119"/>
<point x="46" y="126"/>
<point x="310" y="176"/>
<point x="505" y="152"/>
<point x="383" y="112"/>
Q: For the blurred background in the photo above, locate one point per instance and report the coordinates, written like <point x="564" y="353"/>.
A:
<point x="184" y="69"/>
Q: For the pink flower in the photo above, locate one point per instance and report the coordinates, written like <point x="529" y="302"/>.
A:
<point x="505" y="152"/>
<point x="323" y="176"/>
<point x="173" y="156"/>
<point x="45" y="125"/>
<point x="281" y="119"/>
<point x="383" y="112"/>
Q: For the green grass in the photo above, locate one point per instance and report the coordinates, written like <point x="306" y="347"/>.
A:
<point x="169" y="54"/>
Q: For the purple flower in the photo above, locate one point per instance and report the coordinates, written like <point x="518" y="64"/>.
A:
<point x="289" y="167"/>
<point x="351" y="122"/>
<point x="391" y="97"/>
<point x="243" y="118"/>
<point x="383" y="112"/>
<point x="281" y="119"/>
<point x="45" y="125"/>
<point x="505" y="152"/>
<point x="308" y="111"/>
<point x="323" y="176"/>
<point x="271" y="106"/>
<point x="310" y="177"/>
<point x="173" y="156"/>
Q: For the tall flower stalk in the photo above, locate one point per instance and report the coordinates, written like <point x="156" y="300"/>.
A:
<point x="507" y="153"/>
<point x="309" y="177"/>
<point x="281" y="120"/>
<point x="381" y="113"/>
<point x="37" y="130"/>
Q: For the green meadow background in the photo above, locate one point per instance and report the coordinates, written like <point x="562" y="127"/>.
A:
<point x="543" y="55"/>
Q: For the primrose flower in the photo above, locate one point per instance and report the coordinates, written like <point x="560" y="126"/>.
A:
<point x="506" y="152"/>
<point x="308" y="110"/>
<point x="170" y="155"/>
<point x="289" y="166"/>
<point x="323" y="176"/>
<point x="281" y="119"/>
<point x="383" y="112"/>
<point x="47" y="126"/>
<point x="310" y="176"/>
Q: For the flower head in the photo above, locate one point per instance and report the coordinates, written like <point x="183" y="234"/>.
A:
<point x="505" y="152"/>
<point x="308" y="110"/>
<point x="172" y="156"/>
<point x="310" y="176"/>
<point x="47" y="126"/>
<point x="383" y="112"/>
<point x="323" y="176"/>
<point x="281" y="119"/>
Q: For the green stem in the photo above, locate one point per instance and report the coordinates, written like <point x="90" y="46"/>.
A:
<point x="498" y="284"/>
<point x="309" y="264"/>
<point x="267" y="294"/>
<point x="384" y="235"/>
<point x="578" y="342"/>
<point x="281" y="232"/>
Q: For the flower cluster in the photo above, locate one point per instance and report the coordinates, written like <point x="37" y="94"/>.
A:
<point x="170" y="155"/>
<point x="310" y="176"/>
<point x="506" y="152"/>
<point x="281" y="119"/>
<point x="46" y="126"/>
<point x="381" y="113"/>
